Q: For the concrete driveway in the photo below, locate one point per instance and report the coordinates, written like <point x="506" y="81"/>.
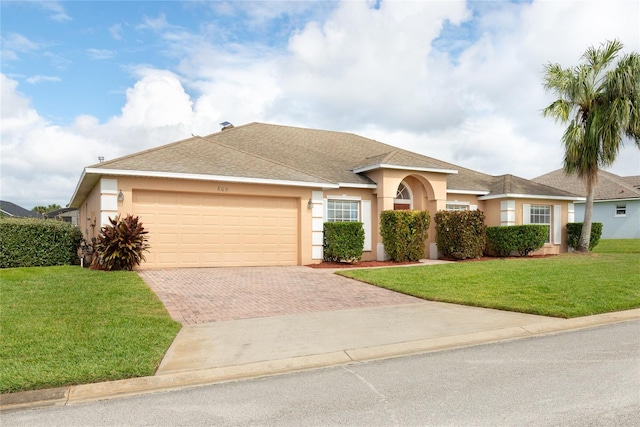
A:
<point x="203" y="295"/>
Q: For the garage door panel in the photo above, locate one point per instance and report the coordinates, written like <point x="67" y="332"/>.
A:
<point x="201" y="230"/>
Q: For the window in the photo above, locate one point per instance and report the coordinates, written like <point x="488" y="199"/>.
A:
<point x="454" y="207"/>
<point x="403" y="199"/>
<point x="342" y="211"/>
<point x="621" y="210"/>
<point x="541" y="215"/>
<point x="403" y="192"/>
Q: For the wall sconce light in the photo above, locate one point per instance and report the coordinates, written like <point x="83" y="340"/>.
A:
<point x="120" y="197"/>
<point x="310" y="203"/>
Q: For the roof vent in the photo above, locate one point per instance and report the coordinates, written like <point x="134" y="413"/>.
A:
<point x="226" y="125"/>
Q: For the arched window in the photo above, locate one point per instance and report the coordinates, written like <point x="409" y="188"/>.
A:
<point x="403" y="199"/>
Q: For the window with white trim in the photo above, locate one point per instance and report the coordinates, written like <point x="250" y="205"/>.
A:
<point x="621" y="210"/>
<point x="540" y="214"/>
<point x="343" y="211"/>
<point x="455" y="207"/>
<point x="403" y="192"/>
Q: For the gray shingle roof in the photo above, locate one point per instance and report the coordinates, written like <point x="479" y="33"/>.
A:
<point x="13" y="210"/>
<point x="275" y="152"/>
<point x="610" y="186"/>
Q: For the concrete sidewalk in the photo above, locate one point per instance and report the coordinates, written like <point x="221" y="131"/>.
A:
<point x="249" y="348"/>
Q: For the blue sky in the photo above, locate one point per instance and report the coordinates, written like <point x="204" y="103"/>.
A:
<point x="459" y="81"/>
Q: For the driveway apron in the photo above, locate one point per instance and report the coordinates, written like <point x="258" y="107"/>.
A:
<point x="203" y="295"/>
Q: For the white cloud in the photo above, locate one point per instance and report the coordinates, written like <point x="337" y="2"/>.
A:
<point x="100" y="53"/>
<point x="15" y="44"/>
<point x="157" y="24"/>
<point x="39" y="79"/>
<point x="116" y="31"/>
<point x="57" y="10"/>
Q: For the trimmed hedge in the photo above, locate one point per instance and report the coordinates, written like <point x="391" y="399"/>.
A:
<point x="523" y="239"/>
<point x="575" y="228"/>
<point x="460" y="234"/>
<point x="343" y="241"/>
<point x="37" y="243"/>
<point x="404" y="234"/>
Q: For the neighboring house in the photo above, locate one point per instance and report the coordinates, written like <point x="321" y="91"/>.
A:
<point x="616" y="201"/>
<point x="10" y="210"/>
<point x="69" y="215"/>
<point x="258" y="194"/>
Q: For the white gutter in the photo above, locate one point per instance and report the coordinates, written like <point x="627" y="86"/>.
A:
<point x="205" y="177"/>
<point x="349" y="185"/>
<point x="475" y="192"/>
<point x="531" y="196"/>
<point x="410" y="168"/>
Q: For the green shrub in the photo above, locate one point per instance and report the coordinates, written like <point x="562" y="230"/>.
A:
<point x="343" y="241"/>
<point x="523" y="239"/>
<point x="460" y="234"/>
<point x="575" y="228"/>
<point x="37" y="243"/>
<point x="121" y="244"/>
<point x="404" y="234"/>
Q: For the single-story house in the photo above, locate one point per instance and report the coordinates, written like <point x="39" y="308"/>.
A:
<point x="11" y="210"/>
<point x="69" y="215"/>
<point x="616" y="201"/>
<point x="258" y="194"/>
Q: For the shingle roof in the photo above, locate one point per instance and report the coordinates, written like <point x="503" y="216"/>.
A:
<point x="11" y="209"/>
<point x="610" y="186"/>
<point x="275" y="152"/>
<point x="267" y="151"/>
<point x="634" y="181"/>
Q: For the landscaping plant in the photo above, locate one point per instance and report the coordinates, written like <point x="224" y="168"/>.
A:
<point x="574" y="230"/>
<point x="523" y="239"/>
<point x="404" y="234"/>
<point x="343" y="241"/>
<point x="460" y="234"/>
<point x="121" y="244"/>
<point x="36" y="242"/>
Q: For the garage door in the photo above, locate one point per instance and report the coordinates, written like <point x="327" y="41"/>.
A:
<point x="210" y="230"/>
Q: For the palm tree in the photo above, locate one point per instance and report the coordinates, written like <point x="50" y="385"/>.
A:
<point x="601" y="103"/>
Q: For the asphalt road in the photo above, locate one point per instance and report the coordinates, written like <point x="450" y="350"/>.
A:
<point x="589" y="377"/>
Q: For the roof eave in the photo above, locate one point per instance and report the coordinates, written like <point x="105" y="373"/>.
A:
<point x="473" y="192"/>
<point x="530" y="196"/>
<point x="98" y="172"/>
<point x="626" y="199"/>
<point x="356" y="185"/>
<point x="410" y="168"/>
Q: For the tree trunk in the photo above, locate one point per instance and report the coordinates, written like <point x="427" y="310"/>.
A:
<point x="585" y="235"/>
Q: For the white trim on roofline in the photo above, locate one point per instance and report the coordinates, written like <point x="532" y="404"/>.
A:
<point x="475" y="192"/>
<point x="629" y="199"/>
<point x="410" y="168"/>
<point x="75" y="192"/>
<point x="530" y="196"/>
<point x="205" y="177"/>
<point x="355" y="185"/>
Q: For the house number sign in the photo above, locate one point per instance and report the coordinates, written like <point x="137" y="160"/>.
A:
<point x="223" y="188"/>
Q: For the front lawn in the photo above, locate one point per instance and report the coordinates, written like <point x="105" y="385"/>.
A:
<point x="68" y="325"/>
<point x="567" y="285"/>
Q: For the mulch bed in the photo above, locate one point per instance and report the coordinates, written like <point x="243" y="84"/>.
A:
<point x="369" y="264"/>
<point x="360" y="264"/>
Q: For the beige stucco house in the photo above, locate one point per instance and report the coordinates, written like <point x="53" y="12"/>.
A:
<point x="258" y="194"/>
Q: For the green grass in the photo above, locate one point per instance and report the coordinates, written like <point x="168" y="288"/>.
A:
<point x="68" y="325"/>
<point x="611" y="246"/>
<point x="568" y="285"/>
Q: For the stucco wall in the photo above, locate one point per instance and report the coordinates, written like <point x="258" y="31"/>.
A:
<point x="627" y="227"/>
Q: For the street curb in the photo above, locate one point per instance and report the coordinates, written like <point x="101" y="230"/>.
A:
<point x="62" y="396"/>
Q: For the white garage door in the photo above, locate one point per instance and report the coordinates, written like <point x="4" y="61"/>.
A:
<point x="210" y="230"/>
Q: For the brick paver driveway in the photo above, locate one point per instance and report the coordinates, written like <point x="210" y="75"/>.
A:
<point x="203" y="295"/>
